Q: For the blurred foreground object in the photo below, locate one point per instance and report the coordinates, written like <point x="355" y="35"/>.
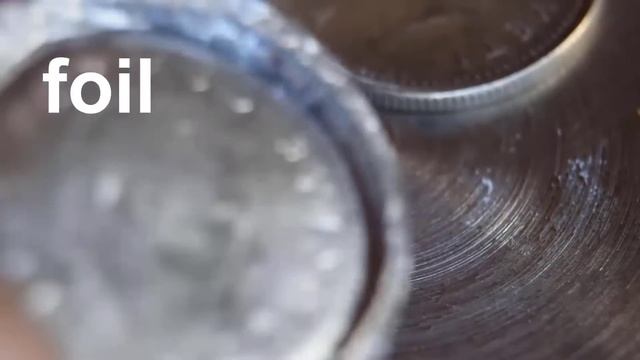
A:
<point x="20" y="339"/>
<point x="254" y="214"/>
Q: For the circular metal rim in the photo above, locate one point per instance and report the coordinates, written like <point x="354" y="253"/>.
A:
<point x="373" y="154"/>
<point x="404" y="99"/>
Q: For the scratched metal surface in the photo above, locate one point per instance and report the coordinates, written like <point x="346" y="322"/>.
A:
<point x="527" y="220"/>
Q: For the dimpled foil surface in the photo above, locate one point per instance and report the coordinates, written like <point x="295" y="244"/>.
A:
<point x="223" y="225"/>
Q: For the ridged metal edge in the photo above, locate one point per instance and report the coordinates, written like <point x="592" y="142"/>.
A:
<point x="397" y="98"/>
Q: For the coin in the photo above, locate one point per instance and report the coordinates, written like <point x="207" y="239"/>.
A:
<point x="436" y="46"/>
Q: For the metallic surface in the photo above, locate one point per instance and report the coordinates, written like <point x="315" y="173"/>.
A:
<point x="438" y="55"/>
<point x="274" y="229"/>
<point x="195" y="234"/>
<point x="527" y="215"/>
